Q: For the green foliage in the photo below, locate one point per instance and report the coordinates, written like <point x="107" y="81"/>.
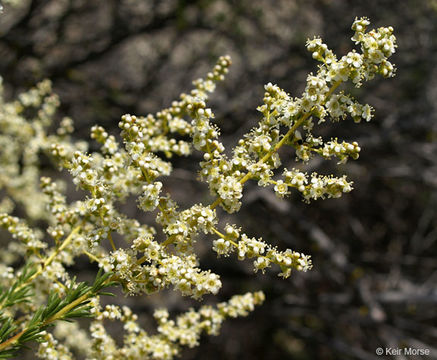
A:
<point x="74" y="304"/>
<point x="20" y="291"/>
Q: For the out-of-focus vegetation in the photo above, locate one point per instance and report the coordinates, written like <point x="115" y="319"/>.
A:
<point x="375" y="271"/>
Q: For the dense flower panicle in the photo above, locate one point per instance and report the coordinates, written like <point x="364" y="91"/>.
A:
<point x="137" y="168"/>
<point x="185" y="330"/>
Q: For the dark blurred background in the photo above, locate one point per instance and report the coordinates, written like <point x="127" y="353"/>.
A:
<point x="374" y="250"/>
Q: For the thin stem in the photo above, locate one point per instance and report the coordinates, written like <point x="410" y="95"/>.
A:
<point x="91" y="256"/>
<point x="52" y="257"/>
<point x="112" y="242"/>
<point x="12" y="340"/>
<point x="48" y="261"/>
<point x="267" y="156"/>
<point x="67" y="308"/>
<point x="169" y="240"/>
<point x="223" y="236"/>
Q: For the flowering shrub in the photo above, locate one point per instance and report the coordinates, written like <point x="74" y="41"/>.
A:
<point x="41" y="291"/>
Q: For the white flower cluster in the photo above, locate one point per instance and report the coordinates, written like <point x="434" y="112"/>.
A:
<point x="51" y="349"/>
<point x="31" y="239"/>
<point x="138" y="261"/>
<point x="157" y="270"/>
<point x="185" y="330"/>
<point x="264" y="253"/>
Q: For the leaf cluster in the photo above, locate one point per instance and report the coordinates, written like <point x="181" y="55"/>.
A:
<point x="19" y="292"/>
<point x="74" y="304"/>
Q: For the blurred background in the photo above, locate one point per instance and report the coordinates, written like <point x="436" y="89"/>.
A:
<point x="374" y="250"/>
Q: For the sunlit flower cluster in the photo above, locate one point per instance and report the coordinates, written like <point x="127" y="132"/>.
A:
<point x="136" y="168"/>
